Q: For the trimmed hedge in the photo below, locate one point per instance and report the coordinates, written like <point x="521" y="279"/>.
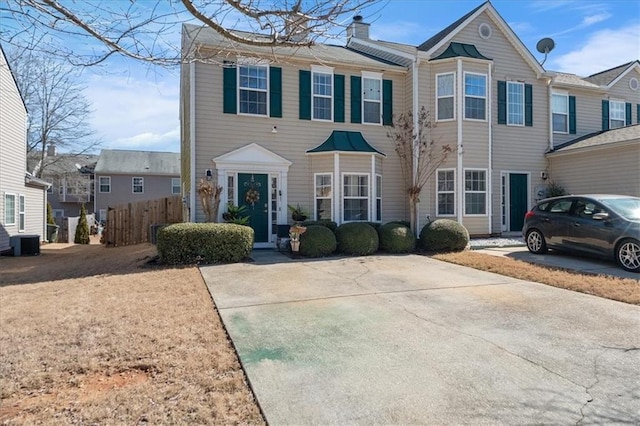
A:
<point x="189" y="243"/>
<point x="357" y="238"/>
<point x="317" y="241"/>
<point x="323" y="222"/>
<point x="444" y="235"/>
<point x="395" y="237"/>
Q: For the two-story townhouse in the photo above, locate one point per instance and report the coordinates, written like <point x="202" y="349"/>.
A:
<point x="22" y="196"/>
<point x="488" y="98"/>
<point x="596" y="140"/>
<point x="127" y="176"/>
<point x="286" y="126"/>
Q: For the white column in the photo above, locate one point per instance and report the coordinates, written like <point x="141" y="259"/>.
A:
<point x="336" y="188"/>
<point x="460" y="147"/>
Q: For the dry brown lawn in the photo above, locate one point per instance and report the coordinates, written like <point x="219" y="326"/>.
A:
<point x="621" y="289"/>
<point x="90" y="335"/>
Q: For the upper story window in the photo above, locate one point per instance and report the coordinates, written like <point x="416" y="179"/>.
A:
<point x="175" y="185"/>
<point x="445" y="96"/>
<point x="475" y="96"/>
<point x="138" y="185"/>
<point x="371" y="98"/>
<point x="253" y="88"/>
<point x="322" y="93"/>
<point x="104" y="184"/>
<point x="616" y="114"/>
<point x="560" y="111"/>
<point x="515" y="103"/>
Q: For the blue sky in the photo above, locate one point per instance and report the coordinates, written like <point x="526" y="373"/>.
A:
<point x="136" y="105"/>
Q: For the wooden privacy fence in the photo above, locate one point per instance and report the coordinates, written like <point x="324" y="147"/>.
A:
<point x="132" y="223"/>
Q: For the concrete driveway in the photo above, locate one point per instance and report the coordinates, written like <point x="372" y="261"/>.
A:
<point x="408" y="339"/>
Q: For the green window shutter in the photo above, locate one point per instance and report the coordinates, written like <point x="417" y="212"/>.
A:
<point x="528" y="105"/>
<point x="387" y="102"/>
<point x="605" y="115"/>
<point x="356" y="99"/>
<point x="502" y="102"/>
<point x="638" y="114"/>
<point x="230" y="92"/>
<point x="275" y="92"/>
<point x="627" y="120"/>
<point x="572" y="115"/>
<point x="305" y="95"/>
<point x="338" y="99"/>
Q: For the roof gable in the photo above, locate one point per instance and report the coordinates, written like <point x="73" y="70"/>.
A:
<point x="436" y="39"/>
<point x="254" y="154"/>
<point x="611" y="76"/>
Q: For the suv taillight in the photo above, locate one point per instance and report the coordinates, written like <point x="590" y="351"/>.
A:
<point x="529" y="215"/>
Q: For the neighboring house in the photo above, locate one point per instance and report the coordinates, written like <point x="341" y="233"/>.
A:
<point x="307" y="125"/>
<point x="22" y="196"/>
<point x="123" y="176"/>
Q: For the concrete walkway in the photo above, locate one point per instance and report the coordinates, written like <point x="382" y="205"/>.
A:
<point x="411" y="340"/>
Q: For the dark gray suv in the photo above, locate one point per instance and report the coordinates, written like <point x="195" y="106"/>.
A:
<point x="602" y="225"/>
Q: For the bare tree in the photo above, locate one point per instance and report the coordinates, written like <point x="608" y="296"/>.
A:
<point x="147" y="30"/>
<point x="420" y="156"/>
<point x="58" y="109"/>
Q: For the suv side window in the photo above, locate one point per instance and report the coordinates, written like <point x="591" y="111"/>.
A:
<point x="560" y="206"/>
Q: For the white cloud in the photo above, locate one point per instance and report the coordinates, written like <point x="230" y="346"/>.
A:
<point x="587" y="21"/>
<point x="602" y="50"/>
<point x="150" y="141"/>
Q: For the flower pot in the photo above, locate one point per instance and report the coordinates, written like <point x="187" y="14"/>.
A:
<point x="295" y="246"/>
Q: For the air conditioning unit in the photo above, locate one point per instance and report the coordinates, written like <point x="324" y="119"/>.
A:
<point x="25" y="245"/>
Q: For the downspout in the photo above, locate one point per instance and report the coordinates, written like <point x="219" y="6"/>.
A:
<point x="490" y="174"/>
<point x="192" y="140"/>
<point x="415" y="105"/>
<point x="459" y="147"/>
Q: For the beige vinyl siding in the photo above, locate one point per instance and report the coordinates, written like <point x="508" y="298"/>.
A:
<point x="622" y="91"/>
<point x="218" y="133"/>
<point x="588" y="114"/>
<point x="608" y="170"/>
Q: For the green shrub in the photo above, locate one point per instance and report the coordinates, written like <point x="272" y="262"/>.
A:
<point x="82" y="230"/>
<point x="374" y="225"/>
<point x="317" y="241"/>
<point x="402" y="222"/>
<point x="444" y="235"/>
<point x="50" y="219"/>
<point x="395" y="237"/>
<point x="323" y="222"/>
<point x="357" y="238"/>
<point x="189" y="243"/>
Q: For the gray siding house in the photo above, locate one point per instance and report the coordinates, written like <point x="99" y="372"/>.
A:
<point x="22" y="196"/>
<point x="123" y="176"/>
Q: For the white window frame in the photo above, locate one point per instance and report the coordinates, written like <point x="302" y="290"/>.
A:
<point x="438" y="192"/>
<point x="58" y="213"/>
<point x="378" y="199"/>
<point x="103" y="215"/>
<point x="257" y="63"/>
<point x="231" y="188"/>
<point x="471" y="191"/>
<point x="22" y="212"/>
<point x="553" y="112"/>
<point x="521" y="85"/>
<point x="174" y="186"/>
<point x="62" y="183"/>
<point x="368" y="196"/>
<point x="100" y="184"/>
<point x="464" y="106"/>
<point x="316" y="197"/>
<point x="133" y="185"/>
<point x="452" y="96"/>
<point x="375" y="76"/>
<point x="316" y="69"/>
<point x="10" y="221"/>
<point x="624" y="113"/>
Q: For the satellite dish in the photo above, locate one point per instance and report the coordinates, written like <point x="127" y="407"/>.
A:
<point x="545" y="46"/>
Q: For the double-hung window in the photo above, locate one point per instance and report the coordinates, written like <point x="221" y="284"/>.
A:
<point x="378" y="198"/>
<point x="138" y="185"/>
<point x="446" y="193"/>
<point x="475" y="96"/>
<point x="475" y="192"/>
<point x="324" y="195"/>
<point x="253" y="87"/>
<point x="371" y="98"/>
<point x="355" y="197"/>
<point x="21" y="213"/>
<point x="9" y="209"/>
<point x="515" y="103"/>
<point x="616" y="114"/>
<point x="445" y="96"/>
<point x="104" y="184"/>
<point x="560" y="112"/>
<point x="322" y="93"/>
<point x="175" y="185"/>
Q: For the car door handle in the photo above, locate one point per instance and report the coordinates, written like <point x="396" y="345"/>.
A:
<point x="576" y="224"/>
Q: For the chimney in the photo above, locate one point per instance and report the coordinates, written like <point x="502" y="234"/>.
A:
<point x="358" y="29"/>
<point x="51" y="150"/>
<point x="297" y="27"/>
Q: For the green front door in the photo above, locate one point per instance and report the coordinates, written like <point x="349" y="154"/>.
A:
<point x="253" y="192"/>
<point x="517" y="201"/>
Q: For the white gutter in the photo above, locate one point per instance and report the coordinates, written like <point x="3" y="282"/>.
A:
<point x="550" y="114"/>
<point x="459" y="145"/>
<point x="192" y="140"/>
<point x="490" y="174"/>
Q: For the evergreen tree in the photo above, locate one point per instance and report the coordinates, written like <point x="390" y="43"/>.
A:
<point x="50" y="219"/>
<point x="82" y="231"/>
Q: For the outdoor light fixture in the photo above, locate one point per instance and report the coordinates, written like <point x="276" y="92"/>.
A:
<point x="274" y="130"/>
<point x="209" y="174"/>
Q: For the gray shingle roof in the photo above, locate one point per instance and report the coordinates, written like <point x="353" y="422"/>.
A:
<point x="604" y="78"/>
<point x="572" y="80"/>
<point x="68" y="163"/>
<point x="603" y="138"/>
<point x="442" y="34"/>
<point x="116" y="161"/>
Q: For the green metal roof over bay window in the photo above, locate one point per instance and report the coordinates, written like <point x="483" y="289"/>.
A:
<point x="344" y="141"/>
<point x="455" y="50"/>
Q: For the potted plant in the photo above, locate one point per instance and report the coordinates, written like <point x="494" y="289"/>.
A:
<point x="236" y="214"/>
<point x="297" y="213"/>
<point x="294" y="233"/>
